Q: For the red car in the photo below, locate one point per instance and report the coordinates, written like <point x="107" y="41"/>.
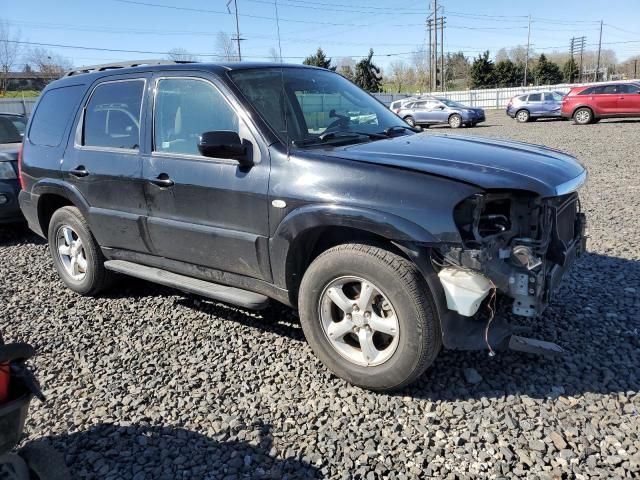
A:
<point x="590" y="104"/>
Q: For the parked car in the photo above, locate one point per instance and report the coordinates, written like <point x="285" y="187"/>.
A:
<point x="388" y="241"/>
<point x="396" y="105"/>
<point x="434" y="110"/>
<point x="534" y="105"/>
<point x="590" y="104"/>
<point x="11" y="133"/>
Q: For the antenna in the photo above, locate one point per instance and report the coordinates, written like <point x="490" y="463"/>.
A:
<point x="284" y="92"/>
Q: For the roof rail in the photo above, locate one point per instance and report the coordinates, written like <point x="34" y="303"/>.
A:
<point x="128" y="64"/>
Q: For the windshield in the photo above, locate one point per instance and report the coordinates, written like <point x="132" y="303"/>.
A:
<point x="11" y="129"/>
<point x="451" y="103"/>
<point x="321" y="106"/>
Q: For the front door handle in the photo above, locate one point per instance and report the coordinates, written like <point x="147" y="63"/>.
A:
<point x="79" y="171"/>
<point x="163" y="180"/>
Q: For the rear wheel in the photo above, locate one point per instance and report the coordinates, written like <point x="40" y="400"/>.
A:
<point x="410" y="121"/>
<point x="76" y="255"/>
<point x="523" y="116"/>
<point x="455" y="121"/>
<point x="583" y="116"/>
<point x="369" y="316"/>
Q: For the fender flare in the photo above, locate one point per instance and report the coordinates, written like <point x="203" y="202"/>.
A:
<point x="62" y="189"/>
<point x="308" y="217"/>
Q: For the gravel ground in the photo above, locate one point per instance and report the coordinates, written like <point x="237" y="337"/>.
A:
<point x="145" y="382"/>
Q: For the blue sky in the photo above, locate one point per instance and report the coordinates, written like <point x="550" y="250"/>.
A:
<point x="341" y="27"/>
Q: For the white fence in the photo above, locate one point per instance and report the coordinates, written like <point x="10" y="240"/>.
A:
<point x="491" y="98"/>
<point x="17" y="105"/>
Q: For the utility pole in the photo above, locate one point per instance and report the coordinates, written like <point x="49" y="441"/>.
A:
<point x="599" y="48"/>
<point x="526" y="63"/>
<point x="238" y="39"/>
<point x="442" y="53"/>
<point x="435" y="44"/>
<point x="429" y="23"/>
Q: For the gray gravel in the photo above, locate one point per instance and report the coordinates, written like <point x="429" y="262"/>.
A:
<point x="145" y="382"/>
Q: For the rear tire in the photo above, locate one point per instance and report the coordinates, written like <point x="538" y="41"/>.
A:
<point x="523" y="116"/>
<point x="404" y="328"/>
<point x="76" y="254"/>
<point x="455" y="121"/>
<point x="409" y="120"/>
<point x="583" y="116"/>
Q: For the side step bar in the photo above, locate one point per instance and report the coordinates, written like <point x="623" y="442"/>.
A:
<point x="235" y="296"/>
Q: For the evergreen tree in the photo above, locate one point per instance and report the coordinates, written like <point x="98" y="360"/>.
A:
<point x="546" y="72"/>
<point x="570" y="71"/>
<point x="482" y="72"/>
<point x="506" y="73"/>
<point x="319" y="59"/>
<point x="368" y="76"/>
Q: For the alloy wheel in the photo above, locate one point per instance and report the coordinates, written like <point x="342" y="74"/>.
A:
<point x="359" y="321"/>
<point x="71" y="252"/>
<point x="523" y="116"/>
<point x="583" y="116"/>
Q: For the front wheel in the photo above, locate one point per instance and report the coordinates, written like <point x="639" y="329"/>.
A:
<point x="369" y="316"/>
<point x="455" y="121"/>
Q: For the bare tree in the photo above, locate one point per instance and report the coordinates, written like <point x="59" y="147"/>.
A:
<point x="420" y="64"/>
<point x="9" y="51"/>
<point x="225" y="48"/>
<point x="49" y="64"/>
<point x="346" y="67"/>
<point x="398" y="74"/>
<point x="274" y="55"/>
<point x="181" y="55"/>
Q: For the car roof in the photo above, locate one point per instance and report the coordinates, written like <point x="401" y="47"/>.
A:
<point x="90" y="73"/>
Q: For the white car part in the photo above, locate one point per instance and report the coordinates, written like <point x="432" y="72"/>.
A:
<point x="464" y="290"/>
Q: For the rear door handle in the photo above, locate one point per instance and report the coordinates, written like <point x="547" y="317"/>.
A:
<point x="79" y="171"/>
<point x="163" y="180"/>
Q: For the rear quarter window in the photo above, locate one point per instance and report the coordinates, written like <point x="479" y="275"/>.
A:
<point x="53" y="114"/>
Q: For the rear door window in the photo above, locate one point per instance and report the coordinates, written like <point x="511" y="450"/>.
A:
<point x="609" y="89"/>
<point x="52" y="115"/>
<point x="112" y="115"/>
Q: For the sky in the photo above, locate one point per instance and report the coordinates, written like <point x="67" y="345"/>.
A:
<point x="149" y="28"/>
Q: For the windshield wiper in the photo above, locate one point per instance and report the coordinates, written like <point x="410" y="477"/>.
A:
<point x="346" y="135"/>
<point x="398" y="128"/>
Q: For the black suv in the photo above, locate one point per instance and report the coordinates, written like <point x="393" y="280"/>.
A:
<point x="248" y="182"/>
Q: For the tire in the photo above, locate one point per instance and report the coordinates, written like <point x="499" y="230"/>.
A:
<point x="88" y="276"/>
<point x="409" y="120"/>
<point x="455" y="121"/>
<point x="44" y="462"/>
<point x="523" y="116"/>
<point x="583" y="116"/>
<point x="399" y="293"/>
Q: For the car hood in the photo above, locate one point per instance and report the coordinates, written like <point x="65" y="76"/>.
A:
<point x="9" y="151"/>
<point x="487" y="163"/>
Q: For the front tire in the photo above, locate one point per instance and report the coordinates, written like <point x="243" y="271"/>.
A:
<point x="76" y="254"/>
<point x="455" y="121"/>
<point x="369" y="315"/>
<point x="583" y="116"/>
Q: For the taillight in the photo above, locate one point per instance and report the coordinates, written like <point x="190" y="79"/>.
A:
<point x="397" y="110"/>
<point x="20" y="178"/>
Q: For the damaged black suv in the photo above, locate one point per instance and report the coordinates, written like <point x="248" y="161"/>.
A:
<point x="250" y="182"/>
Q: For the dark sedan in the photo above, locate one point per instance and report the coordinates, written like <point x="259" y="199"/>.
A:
<point x="11" y="132"/>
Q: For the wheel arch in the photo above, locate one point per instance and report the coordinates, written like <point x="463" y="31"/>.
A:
<point x="578" y="107"/>
<point x="52" y="195"/>
<point x="307" y="232"/>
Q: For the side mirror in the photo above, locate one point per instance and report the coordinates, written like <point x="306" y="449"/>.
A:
<point x="224" y="144"/>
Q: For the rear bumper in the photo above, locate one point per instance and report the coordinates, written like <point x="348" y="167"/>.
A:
<point x="9" y="207"/>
